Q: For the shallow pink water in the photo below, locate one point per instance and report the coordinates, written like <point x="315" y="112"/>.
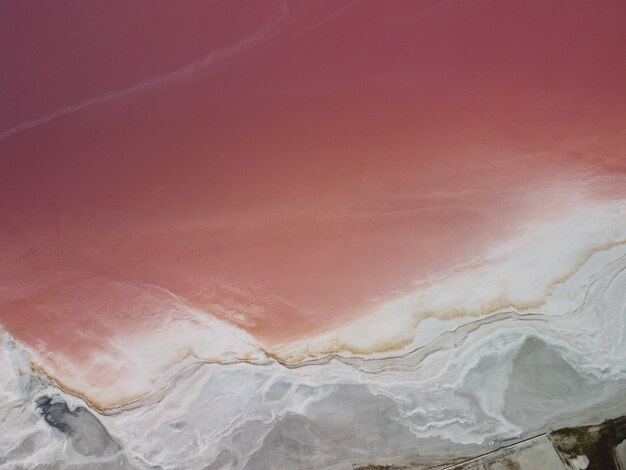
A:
<point x="283" y="165"/>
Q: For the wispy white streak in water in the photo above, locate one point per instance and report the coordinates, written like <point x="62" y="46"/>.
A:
<point x="158" y="81"/>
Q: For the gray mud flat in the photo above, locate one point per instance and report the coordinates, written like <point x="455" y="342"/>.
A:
<point x="84" y="431"/>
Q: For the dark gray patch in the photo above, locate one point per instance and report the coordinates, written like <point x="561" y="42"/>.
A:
<point x="178" y="425"/>
<point x="85" y="432"/>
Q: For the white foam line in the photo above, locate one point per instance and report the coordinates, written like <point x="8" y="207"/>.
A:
<point x="158" y="81"/>
<point x="517" y="274"/>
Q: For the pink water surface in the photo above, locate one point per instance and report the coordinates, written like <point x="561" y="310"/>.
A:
<point x="284" y="165"/>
